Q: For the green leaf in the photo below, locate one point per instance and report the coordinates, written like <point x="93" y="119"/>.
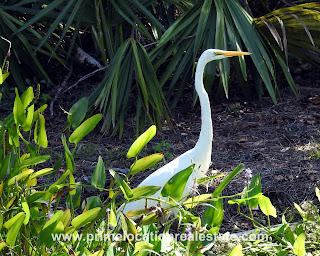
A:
<point x="99" y="174"/>
<point x="86" y="127"/>
<point x="27" y="97"/>
<point x="53" y="226"/>
<point x="78" y="112"/>
<point x="40" y="135"/>
<point x="141" y="141"/>
<point x="20" y="176"/>
<point x="18" y="110"/>
<point x="144" y="191"/>
<point x="299" y="246"/>
<point x="266" y="206"/>
<point x="85" y="217"/>
<point x="145" y="163"/>
<point x="14" y="230"/>
<point x="123" y="185"/>
<point x="13" y="220"/>
<point x="174" y="188"/>
<point x="33" y="161"/>
<point x="236" y="251"/>
<point x="26" y="209"/>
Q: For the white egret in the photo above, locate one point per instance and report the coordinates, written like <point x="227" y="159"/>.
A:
<point x="200" y="155"/>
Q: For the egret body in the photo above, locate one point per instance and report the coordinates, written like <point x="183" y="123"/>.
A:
<point x="200" y="155"/>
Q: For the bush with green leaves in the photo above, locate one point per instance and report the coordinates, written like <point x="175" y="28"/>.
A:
<point x="56" y="218"/>
<point x="149" y="48"/>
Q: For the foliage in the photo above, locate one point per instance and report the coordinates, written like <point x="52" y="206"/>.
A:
<point x="55" y="219"/>
<point x="149" y="47"/>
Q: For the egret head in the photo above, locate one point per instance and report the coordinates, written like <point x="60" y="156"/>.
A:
<point x="216" y="54"/>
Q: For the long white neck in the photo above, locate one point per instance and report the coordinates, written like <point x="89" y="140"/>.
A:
<point x="205" y="139"/>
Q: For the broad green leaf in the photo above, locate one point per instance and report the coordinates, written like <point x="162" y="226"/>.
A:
<point x="18" y="110"/>
<point x="42" y="172"/>
<point x="299" y="246"/>
<point x="14" y="219"/>
<point x="35" y="196"/>
<point x="86" y="127"/>
<point x="175" y="186"/>
<point x="53" y="226"/>
<point x="266" y="206"/>
<point x="141" y="141"/>
<point x="26" y="209"/>
<point x="78" y="112"/>
<point x="236" y="251"/>
<point x="33" y="161"/>
<point x="40" y="134"/>
<point x="123" y="185"/>
<point x="85" y="217"/>
<point x="99" y="174"/>
<point x="20" y="176"/>
<point x="55" y="218"/>
<point x="14" y="230"/>
<point x="91" y="202"/>
<point x="145" y="163"/>
<point x="144" y="191"/>
<point x="26" y="98"/>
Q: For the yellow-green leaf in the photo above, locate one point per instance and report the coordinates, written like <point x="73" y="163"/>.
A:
<point x="40" y="135"/>
<point x="86" y="127"/>
<point x="266" y="206"/>
<point x="20" y="176"/>
<point x="26" y="209"/>
<point x="175" y="186"/>
<point x="299" y="246"/>
<point x="236" y="251"/>
<point x="99" y="174"/>
<point x="141" y="141"/>
<point x="192" y="202"/>
<point x="123" y="185"/>
<point x="14" y="230"/>
<point x="145" y="163"/>
<point x="85" y="217"/>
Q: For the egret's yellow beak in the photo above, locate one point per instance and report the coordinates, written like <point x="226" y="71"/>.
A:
<point x="233" y="53"/>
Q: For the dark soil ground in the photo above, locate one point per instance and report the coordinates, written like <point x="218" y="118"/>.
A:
<point x="280" y="142"/>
